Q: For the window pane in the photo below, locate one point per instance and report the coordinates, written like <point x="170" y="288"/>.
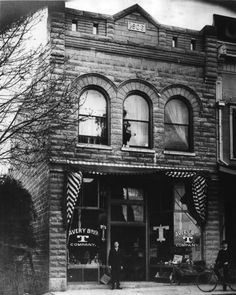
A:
<point x="93" y="103"/>
<point x="176" y="112"/>
<point x="138" y="133"/>
<point x="187" y="233"/>
<point x="127" y="213"/>
<point x="136" y="108"/>
<point x="176" y="137"/>
<point x="92" y="126"/>
<point x="90" y="193"/>
<point x="179" y="193"/>
<point x="134" y="194"/>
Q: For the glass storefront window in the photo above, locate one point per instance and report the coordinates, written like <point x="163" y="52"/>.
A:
<point x="87" y="237"/>
<point x="187" y="234"/>
<point x="173" y="231"/>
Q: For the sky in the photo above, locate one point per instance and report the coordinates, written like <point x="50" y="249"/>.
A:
<point x="191" y="14"/>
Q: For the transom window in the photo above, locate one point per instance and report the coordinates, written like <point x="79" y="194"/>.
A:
<point x="177" y="125"/>
<point x="136" y="122"/>
<point x="93" y="117"/>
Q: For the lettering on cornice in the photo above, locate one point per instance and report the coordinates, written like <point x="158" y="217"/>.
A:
<point x="139" y="27"/>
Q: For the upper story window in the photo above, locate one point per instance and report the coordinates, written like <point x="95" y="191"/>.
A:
<point x="95" y="29"/>
<point x="136" y="122"/>
<point x="93" y="117"/>
<point x="174" y="42"/>
<point x="74" y="25"/>
<point x="177" y="126"/>
<point x="193" y="44"/>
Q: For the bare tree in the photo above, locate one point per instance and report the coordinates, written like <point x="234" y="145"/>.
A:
<point x="34" y="99"/>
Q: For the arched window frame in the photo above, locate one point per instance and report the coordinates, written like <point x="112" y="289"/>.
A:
<point x="106" y="97"/>
<point x="190" y="123"/>
<point x="148" y="101"/>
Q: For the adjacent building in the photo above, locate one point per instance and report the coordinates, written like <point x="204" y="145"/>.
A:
<point x="226" y="112"/>
<point x="140" y="165"/>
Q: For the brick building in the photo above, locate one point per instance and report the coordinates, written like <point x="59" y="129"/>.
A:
<point x="143" y="154"/>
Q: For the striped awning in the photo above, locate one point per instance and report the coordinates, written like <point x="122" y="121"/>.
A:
<point x="199" y="188"/>
<point x="74" y="182"/>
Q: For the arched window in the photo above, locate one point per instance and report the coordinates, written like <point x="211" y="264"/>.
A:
<point x="177" y="125"/>
<point x="136" y="122"/>
<point x="93" y="117"/>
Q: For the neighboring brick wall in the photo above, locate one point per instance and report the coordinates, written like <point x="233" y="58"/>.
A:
<point x="57" y="233"/>
<point x="36" y="181"/>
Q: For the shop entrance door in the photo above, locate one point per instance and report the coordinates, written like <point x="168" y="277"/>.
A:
<point x="132" y="243"/>
<point x="128" y="226"/>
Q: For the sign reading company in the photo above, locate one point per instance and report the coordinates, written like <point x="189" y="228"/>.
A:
<point x="186" y="238"/>
<point x="83" y="237"/>
<point x="139" y="27"/>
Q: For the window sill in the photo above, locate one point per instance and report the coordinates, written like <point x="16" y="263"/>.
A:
<point x="138" y="150"/>
<point x="189" y="154"/>
<point x="94" y="146"/>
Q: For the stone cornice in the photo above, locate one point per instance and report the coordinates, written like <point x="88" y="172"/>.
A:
<point x="106" y="45"/>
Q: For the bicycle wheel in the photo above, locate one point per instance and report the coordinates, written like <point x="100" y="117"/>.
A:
<point x="207" y="281"/>
<point x="231" y="279"/>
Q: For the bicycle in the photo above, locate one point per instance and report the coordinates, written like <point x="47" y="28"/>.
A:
<point x="207" y="280"/>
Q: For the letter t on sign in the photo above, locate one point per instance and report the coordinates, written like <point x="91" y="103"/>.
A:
<point x="160" y="230"/>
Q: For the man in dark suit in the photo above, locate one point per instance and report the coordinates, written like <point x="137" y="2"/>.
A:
<point x="222" y="263"/>
<point x="115" y="262"/>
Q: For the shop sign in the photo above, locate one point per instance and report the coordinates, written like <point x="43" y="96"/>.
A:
<point x="160" y="230"/>
<point x="83" y="237"/>
<point x="186" y="238"/>
<point x="139" y="27"/>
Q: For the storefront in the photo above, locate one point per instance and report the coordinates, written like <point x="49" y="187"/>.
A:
<point x="152" y="215"/>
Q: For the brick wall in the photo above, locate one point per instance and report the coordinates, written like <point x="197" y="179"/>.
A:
<point x="117" y="66"/>
<point x="57" y="232"/>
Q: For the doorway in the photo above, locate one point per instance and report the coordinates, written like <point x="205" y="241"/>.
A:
<point x="128" y="226"/>
<point x="133" y="245"/>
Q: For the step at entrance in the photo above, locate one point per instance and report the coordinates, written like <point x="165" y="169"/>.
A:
<point x="131" y="285"/>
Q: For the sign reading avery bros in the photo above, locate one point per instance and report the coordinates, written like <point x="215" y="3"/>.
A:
<point x="139" y="27"/>
<point x="83" y="237"/>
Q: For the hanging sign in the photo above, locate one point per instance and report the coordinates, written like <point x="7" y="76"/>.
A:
<point x="160" y="230"/>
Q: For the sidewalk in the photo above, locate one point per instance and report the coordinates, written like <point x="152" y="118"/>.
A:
<point x="139" y="289"/>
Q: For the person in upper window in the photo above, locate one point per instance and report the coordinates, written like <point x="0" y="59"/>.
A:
<point x="222" y="263"/>
<point x="115" y="262"/>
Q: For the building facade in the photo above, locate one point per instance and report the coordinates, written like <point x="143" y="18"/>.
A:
<point x="140" y="165"/>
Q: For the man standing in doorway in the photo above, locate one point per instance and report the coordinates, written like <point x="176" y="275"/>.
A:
<point x="115" y="263"/>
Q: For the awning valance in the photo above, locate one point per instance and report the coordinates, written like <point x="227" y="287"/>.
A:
<point x="102" y="168"/>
